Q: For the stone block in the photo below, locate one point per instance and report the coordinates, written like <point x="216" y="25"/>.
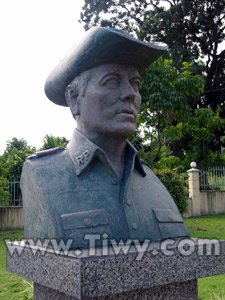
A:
<point x="170" y="267"/>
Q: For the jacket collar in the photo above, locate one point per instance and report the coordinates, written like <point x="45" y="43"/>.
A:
<point x="82" y="152"/>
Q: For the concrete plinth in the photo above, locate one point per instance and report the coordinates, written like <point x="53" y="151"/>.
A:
<point x="167" y="270"/>
<point x="182" y="291"/>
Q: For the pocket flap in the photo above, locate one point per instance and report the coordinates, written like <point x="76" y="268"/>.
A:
<point x="85" y="219"/>
<point x="167" y="216"/>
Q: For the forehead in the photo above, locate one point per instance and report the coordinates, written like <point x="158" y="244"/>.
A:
<point x="120" y="70"/>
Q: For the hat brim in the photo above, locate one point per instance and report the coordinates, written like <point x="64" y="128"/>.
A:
<point x="100" y="46"/>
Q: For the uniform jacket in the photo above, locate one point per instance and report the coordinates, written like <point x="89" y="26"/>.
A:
<point x="70" y="192"/>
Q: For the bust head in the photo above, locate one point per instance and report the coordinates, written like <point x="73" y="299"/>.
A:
<point x="106" y="100"/>
<point x="100" y="46"/>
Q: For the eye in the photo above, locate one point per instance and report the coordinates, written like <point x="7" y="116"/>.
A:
<point x="111" y="83"/>
<point x="136" y="85"/>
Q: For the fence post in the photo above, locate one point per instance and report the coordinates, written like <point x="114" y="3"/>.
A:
<point x="194" y="189"/>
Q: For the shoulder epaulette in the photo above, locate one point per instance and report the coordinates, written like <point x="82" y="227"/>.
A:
<point x="45" y="152"/>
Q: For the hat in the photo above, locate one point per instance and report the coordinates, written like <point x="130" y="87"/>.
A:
<point x="100" y="46"/>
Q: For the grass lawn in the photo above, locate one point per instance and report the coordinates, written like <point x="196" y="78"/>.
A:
<point x="13" y="287"/>
<point x="209" y="227"/>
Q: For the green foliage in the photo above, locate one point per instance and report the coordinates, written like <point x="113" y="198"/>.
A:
<point x="53" y="142"/>
<point x="175" y="186"/>
<point x="164" y="88"/>
<point x="167" y="125"/>
<point x="14" y="156"/>
<point x="168" y="162"/>
<point x="165" y="110"/>
<point x="11" y="163"/>
<point x="4" y="193"/>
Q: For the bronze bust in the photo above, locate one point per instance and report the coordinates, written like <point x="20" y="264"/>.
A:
<point x="97" y="184"/>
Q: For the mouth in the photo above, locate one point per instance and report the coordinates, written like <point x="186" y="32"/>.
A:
<point x="127" y="115"/>
<point x="127" y="111"/>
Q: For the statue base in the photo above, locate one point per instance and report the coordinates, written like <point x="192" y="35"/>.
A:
<point x="182" y="291"/>
<point x="163" y="270"/>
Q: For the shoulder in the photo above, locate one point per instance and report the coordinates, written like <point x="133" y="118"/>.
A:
<point x="46" y="160"/>
<point x="45" y="165"/>
<point x="45" y="153"/>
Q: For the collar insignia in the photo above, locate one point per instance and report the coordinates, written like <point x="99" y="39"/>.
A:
<point x="81" y="159"/>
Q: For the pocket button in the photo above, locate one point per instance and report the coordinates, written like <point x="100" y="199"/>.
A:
<point x="128" y="202"/>
<point x="114" y="181"/>
<point x="87" y="222"/>
<point x="134" y="226"/>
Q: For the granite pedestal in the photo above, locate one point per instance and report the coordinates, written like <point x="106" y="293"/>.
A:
<point x="167" y="270"/>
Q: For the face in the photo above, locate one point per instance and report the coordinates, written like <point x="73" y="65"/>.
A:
<point x="111" y="101"/>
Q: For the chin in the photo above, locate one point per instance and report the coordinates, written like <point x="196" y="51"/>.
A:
<point x="123" y="130"/>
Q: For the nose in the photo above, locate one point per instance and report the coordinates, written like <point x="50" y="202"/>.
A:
<point x="128" y="93"/>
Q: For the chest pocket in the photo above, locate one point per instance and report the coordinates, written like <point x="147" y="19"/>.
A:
<point x="76" y="225"/>
<point x="170" y="223"/>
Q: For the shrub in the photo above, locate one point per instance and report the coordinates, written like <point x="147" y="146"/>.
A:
<point x="4" y="193"/>
<point x="170" y="162"/>
<point x="175" y="187"/>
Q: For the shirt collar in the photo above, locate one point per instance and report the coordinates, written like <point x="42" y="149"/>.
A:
<point x="82" y="152"/>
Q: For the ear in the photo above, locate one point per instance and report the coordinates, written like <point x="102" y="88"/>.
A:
<point x="73" y="100"/>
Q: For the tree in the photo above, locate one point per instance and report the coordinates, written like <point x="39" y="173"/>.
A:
<point x="12" y="160"/>
<point x="53" y="142"/>
<point x="194" y="31"/>
<point x="165" y="113"/>
<point x="17" y="150"/>
<point x="4" y="193"/>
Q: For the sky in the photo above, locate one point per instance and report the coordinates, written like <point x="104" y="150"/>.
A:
<point x="35" y="35"/>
